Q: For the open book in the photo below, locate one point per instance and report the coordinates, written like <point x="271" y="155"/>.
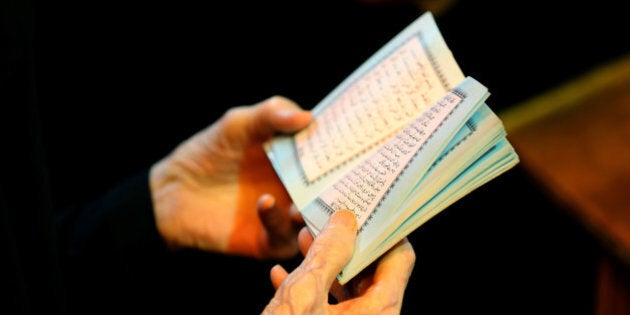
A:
<point x="399" y="140"/>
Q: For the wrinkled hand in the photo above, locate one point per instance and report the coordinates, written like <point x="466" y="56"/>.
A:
<point x="217" y="191"/>
<point x="377" y="290"/>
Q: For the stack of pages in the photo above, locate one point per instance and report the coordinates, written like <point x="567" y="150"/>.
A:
<point x="399" y="140"/>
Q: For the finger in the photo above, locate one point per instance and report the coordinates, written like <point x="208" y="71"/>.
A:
<point x="275" y="114"/>
<point x="280" y="230"/>
<point x="275" y="221"/>
<point x="285" y="115"/>
<point x="394" y="269"/>
<point x="296" y="216"/>
<point x="277" y="276"/>
<point x="305" y="239"/>
<point x="332" y="248"/>
<point x="381" y="285"/>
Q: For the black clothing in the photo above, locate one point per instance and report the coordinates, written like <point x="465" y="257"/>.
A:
<point x="47" y="252"/>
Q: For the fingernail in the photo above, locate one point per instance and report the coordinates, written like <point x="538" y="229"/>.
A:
<point x="286" y="113"/>
<point x="349" y="215"/>
<point x="266" y="201"/>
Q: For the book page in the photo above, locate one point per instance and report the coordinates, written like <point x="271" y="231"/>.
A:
<point x="375" y="189"/>
<point x="395" y="168"/>
<point x="476" y="141"/>
<point x="370" y="110"/>
<point x="498" y="159"/>
<point x="389" y="90"/>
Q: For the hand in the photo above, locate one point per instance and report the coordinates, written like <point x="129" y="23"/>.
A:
<point x="377" y="290"/>
<point x="217" y="191"/>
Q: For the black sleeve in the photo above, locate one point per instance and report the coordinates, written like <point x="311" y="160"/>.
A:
<point x="111" y="250"/>
<point x="120" y="222"/>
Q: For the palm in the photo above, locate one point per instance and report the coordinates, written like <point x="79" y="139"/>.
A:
<point x="207" y="193"/>
<point x="226" y="198"/>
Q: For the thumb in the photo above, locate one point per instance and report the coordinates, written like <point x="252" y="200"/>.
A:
<point x="333" y="247"/>
<point x="276" y="114"/>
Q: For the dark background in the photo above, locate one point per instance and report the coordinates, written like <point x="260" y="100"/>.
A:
<point x="121" y="83"/>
